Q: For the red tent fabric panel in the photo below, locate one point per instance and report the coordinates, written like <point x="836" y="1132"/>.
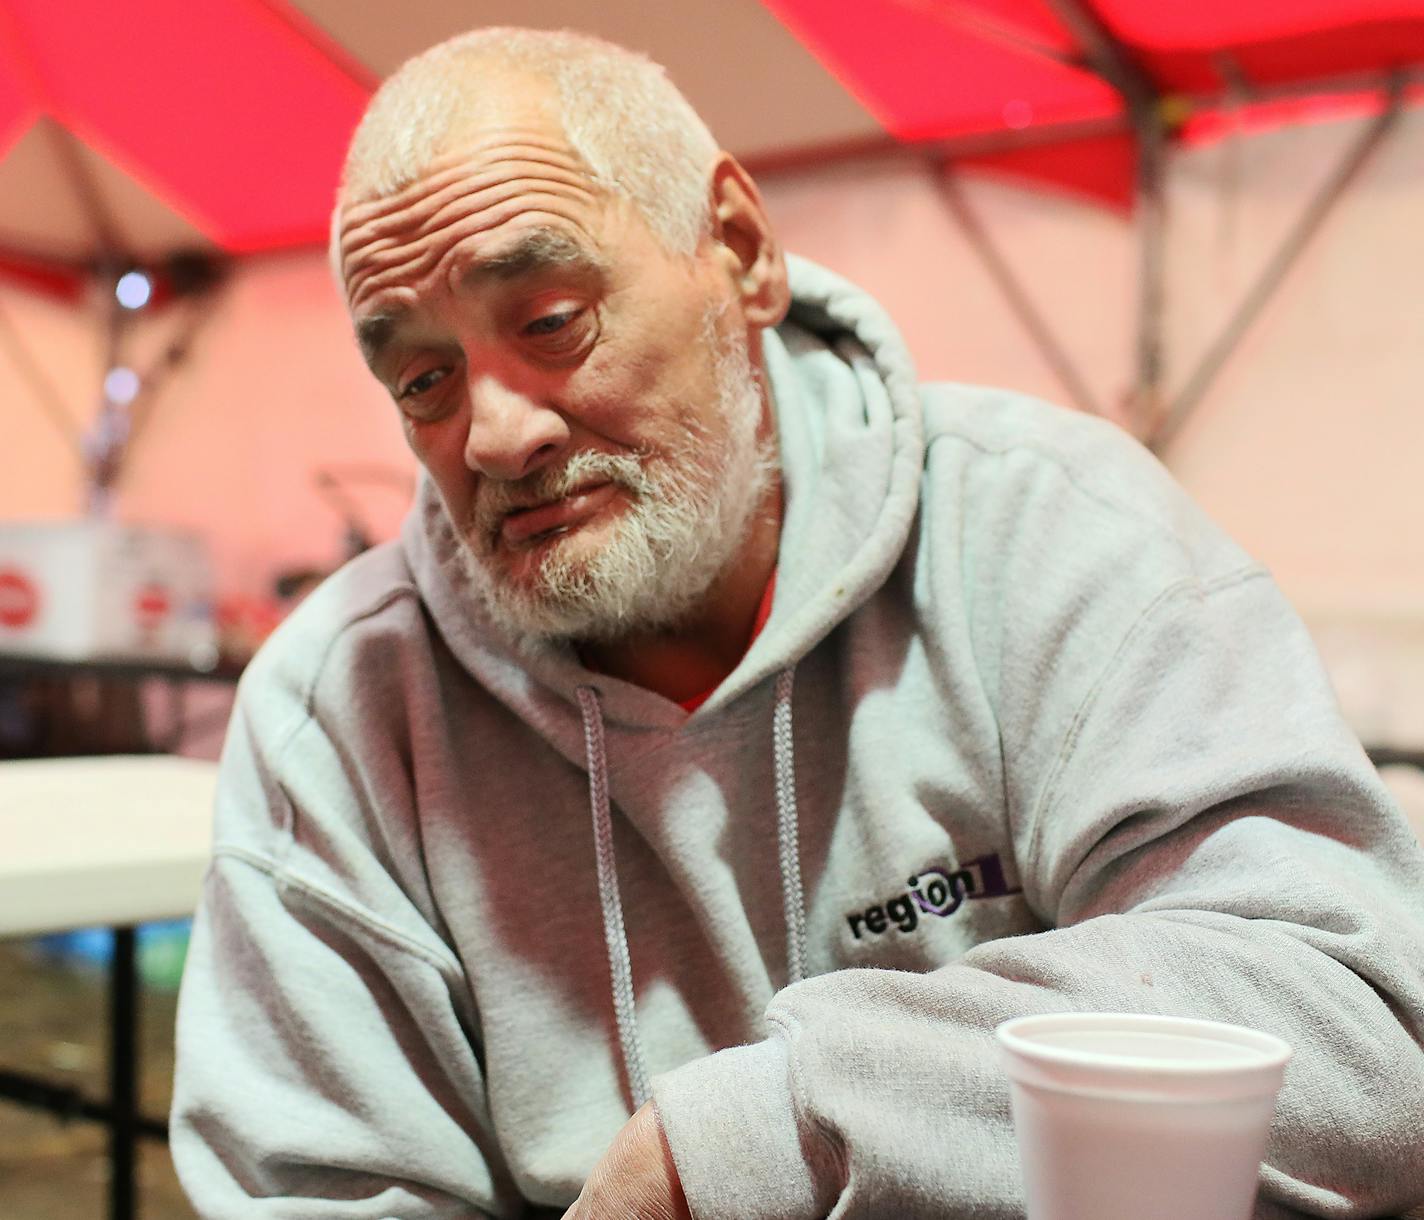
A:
<point x="1207" y="24"/>
<point x="1219" y="123"/>
<point x="224" y="108"/>
<point x="937" y="69"/>
<point x="1102" y="168"/>
<point x="53" y="279"/>
<point x="1300" y="58"/>
<point x="16" y="114"/>
<point x="17" y="107"/>
<point x="925" y="77"/>
<point x="1269" y="42"/>
<point x="1013" y="19"/>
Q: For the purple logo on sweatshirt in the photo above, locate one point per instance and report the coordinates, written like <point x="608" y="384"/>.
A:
<point x="934" y="891"/>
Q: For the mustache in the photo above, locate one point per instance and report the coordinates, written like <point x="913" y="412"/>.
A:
<point x="495" y="500"/>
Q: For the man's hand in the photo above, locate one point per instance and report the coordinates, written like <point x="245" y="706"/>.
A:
<point x="636" y="1179"/>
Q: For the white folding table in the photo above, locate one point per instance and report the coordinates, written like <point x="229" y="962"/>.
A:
<point x="115" y="841"/>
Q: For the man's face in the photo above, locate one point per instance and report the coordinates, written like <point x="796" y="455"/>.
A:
<point x="583" y="400"/>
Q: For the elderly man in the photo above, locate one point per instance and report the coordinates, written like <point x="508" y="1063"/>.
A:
<point x="895" y="712"/>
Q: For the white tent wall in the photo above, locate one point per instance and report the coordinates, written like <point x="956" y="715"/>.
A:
<point x="1307" y="449"/>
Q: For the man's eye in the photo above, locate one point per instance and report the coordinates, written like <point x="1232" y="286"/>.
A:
<point x="551" y="323"/>
<point x="426" y="381"/>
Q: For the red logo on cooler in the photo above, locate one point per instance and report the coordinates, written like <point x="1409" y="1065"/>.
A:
<point x="19" y="599"/>
<point x="151" y="605"/>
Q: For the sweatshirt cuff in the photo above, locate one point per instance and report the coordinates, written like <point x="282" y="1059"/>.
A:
<point x="731" y="1124"/>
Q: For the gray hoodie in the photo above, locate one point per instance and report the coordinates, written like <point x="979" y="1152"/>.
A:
<point x="1023" y="733"/>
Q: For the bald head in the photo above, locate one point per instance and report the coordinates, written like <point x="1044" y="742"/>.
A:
<point x="635" y="132"/>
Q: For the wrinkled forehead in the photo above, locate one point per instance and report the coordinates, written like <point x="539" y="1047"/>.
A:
<point x="500" y="180"/>
<point x="505" y="161"/>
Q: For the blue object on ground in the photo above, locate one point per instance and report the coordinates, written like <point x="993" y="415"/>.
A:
<point x="162" y="948"/>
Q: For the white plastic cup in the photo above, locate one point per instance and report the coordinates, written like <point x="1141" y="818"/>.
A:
<point x="1128" y="1117"/>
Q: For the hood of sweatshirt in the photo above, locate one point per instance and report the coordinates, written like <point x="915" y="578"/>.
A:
<point x="851" y="450"/>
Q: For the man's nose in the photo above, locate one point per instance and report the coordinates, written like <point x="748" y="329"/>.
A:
<point x="511" y="432"/>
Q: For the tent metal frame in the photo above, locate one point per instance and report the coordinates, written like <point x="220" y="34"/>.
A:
<point x="1113" y="62"/>
<point x="1352" y="161"/>
<point x="1012" y="288"/>
<point x="1154" y="416"/>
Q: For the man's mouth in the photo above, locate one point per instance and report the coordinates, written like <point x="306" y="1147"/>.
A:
<point x="524" y="527"/>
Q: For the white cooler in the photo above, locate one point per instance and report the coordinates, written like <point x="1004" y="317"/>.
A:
<point x="84" y="590"/>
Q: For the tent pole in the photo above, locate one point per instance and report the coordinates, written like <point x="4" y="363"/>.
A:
<point x="1147" y="398"/>
<point x="108" y="435"/>
<point x="1014" y="292"/>
<point x="1106" y="54"/>
<point x="1111" y="60"/>
<point x="1280" y="264"/>
<point x="201" y="311"/>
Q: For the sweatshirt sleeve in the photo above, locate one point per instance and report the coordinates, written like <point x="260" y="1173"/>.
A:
<point x="326" y="1060"/>
<point x="1204" y="837"/>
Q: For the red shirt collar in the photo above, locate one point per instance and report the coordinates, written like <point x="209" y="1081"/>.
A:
<point x="763" y="613"/>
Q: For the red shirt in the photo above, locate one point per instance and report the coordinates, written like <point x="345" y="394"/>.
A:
<point x="763" y="613"/>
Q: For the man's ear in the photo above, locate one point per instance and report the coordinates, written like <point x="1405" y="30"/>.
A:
<point x="748" y="248"/>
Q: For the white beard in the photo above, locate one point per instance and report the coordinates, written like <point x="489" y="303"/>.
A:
<point x="687" y="518"/>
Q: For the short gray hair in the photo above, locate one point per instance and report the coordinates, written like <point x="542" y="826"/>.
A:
<point x="638" y="135"/>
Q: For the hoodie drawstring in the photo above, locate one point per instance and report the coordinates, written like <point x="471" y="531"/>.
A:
<point x="788" y="839"/>
<point x="615" y="935"/>
<point x="620" y="963"/>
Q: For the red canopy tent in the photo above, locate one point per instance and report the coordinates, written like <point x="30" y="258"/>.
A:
<point x="1089" y="94"/>
<point x="1051" y="87"/>
<point x="237" y="111"/>
<point x="234" y="113"/>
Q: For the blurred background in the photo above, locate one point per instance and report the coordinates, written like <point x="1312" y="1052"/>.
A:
<point x="1200" y="221"/>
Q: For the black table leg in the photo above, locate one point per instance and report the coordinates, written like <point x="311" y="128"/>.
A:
<point x="123" y="1074"/>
